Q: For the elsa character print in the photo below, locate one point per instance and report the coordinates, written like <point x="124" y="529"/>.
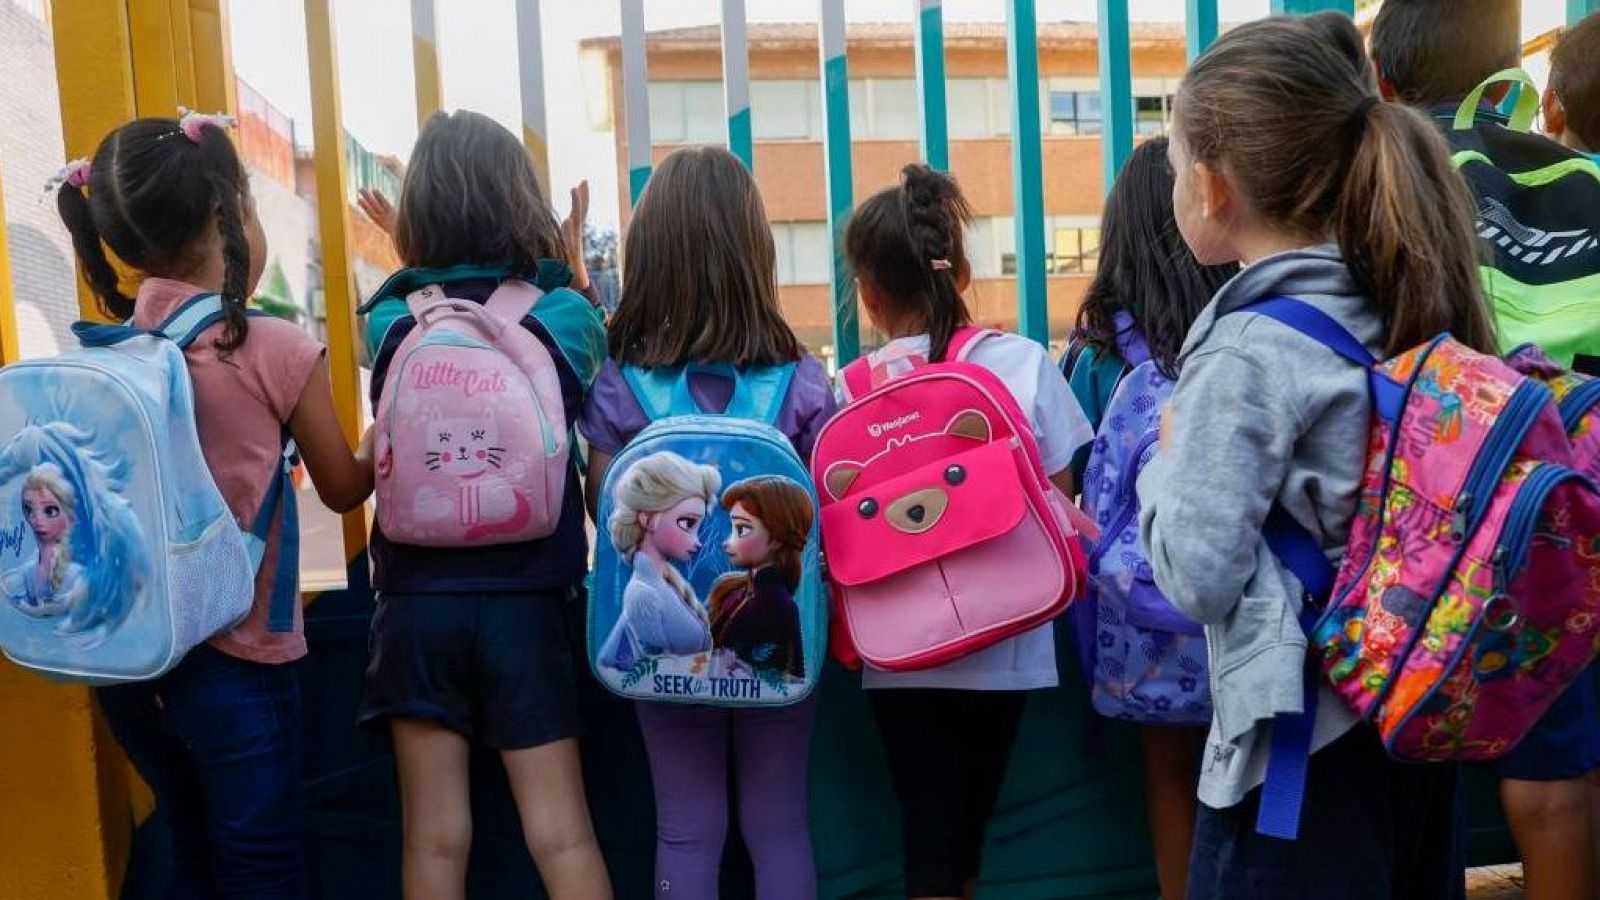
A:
<point x="658" y="506"/>
<point x="52" y="584"/>
<point x="91" y="564"/>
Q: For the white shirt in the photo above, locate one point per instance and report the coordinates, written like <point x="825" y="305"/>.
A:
<point x="1026" y="661"/>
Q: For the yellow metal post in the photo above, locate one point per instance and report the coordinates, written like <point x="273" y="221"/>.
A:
<point x="425" y="60"/>
<point x="214" y="87"/>
<point x="333" y="212"/>
<point x="163" y="71"/>
<point x="94" y="71"/>
<point x="8" y="311"/>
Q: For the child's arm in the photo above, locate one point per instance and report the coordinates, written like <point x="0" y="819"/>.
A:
<point x="1228" y="437"/>
<point x="598" y="461"/>
<point x="343" y="479"/>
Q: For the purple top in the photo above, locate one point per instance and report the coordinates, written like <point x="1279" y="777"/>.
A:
<point x="612" y="415"/>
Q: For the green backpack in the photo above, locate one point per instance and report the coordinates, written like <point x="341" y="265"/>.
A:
<point x="1539" y="214"/>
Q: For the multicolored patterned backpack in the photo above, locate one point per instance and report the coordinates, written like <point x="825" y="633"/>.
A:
<point x="1144" y="660"/>
<point x="934" y="500"/>
<point x="1469" y="595"/>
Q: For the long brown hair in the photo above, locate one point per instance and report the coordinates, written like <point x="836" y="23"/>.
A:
<point x="906" y="241"/>
<point x="1146" y="270"/>
<point x="1289" y="110"/>
<point x="785" y="509"/>
<point x="700" y="270"/>
<point x="152" y="194"/>
<point x="470" y="197"/>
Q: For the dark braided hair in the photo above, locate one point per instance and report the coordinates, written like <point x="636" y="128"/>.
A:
<point x="152" y="195"/>
<point x="899" y="241"/>
<point x="1145" y="269"/>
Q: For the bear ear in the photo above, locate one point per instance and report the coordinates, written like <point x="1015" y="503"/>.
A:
<point x="969" y="424"/>
<point x="839" y="478"/>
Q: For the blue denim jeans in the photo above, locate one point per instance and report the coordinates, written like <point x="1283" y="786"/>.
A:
<point x="218" y="740"/>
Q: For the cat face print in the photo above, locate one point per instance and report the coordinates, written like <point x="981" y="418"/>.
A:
<point x="463" y="447"/>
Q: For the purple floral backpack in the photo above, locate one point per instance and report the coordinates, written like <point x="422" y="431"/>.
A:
<point x="1145" y="662"/>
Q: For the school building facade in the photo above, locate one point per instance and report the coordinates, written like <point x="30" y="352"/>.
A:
<point x="686" y="108"/>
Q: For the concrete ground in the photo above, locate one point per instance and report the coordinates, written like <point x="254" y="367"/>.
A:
<point x="1495" y="883"/>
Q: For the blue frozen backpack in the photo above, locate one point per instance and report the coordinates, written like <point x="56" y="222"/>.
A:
<point x="117" y="552"/>
<point x="1144" y="660"/>
<point x="707" y="585"/>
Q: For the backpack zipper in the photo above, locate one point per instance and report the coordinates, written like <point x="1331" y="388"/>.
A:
<point x="1126" y="508"/>
<point x="1577" y="403"/>
<point x="1516" y="419"/>
<point x="1508" y="558"/>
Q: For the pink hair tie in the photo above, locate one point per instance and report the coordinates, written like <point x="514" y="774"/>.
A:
<point x="193" y="124"/>
<point x="941" y="265"/>
<point x="73" y="174"/>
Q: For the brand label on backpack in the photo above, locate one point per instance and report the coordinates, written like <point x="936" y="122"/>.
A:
<point x="877" y="429"/>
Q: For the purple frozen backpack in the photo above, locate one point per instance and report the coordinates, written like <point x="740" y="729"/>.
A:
<point x="1144" y="660"/>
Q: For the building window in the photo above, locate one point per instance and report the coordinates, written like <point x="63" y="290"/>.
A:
<point x="1151" y="114"/>
<point x="884" y="109"/>
<point x="1074" y="112"/>
<point x="786" y="110"/>
<point x="979" y="107"/>
<point x="804" y="254"/>
<point x="1071" y="246"/>
<point x="687" y="112"/>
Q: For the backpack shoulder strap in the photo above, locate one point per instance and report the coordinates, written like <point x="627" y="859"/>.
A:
<point x="966" y="338"/>
<point x="1522" y="114"/>
<point x="197" y="314"/>
<point x="856" y="379"/>
<point x="761" y="392"/>
<point x="513" y="301"/>
<point x="651" y="388"/>
<point x="281" y="506"/>
<point x="758" y="393"/>
<point x="1314" y="324"/>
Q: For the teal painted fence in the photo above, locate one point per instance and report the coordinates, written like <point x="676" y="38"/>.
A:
<point x="1022" y="65"/>
<point x="930" y="84"/>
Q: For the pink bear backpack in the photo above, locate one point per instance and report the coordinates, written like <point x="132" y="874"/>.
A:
<point x="471" y="444"/>
<point x="942" y="532"/>
<point x="1469" y="594"/>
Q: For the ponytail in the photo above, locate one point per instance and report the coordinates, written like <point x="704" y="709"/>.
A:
<point x="1289" y="108"/>
<point x="97" y="270"/>
<point x="1404" y="222"/>
<point x="225" y="176"/>
<point x="155" y="187"/>
<point x="907" y="242"/>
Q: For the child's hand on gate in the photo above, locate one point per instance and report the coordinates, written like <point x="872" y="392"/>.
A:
<point x="572" y="235"/>
<point x="378" y="209"/>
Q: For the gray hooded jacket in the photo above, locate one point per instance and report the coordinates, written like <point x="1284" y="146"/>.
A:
<point x="1261" y="414"/>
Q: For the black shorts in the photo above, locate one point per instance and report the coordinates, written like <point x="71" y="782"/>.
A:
<point x="1566" y="743"/>
<point x="496" y="668"/>
<point x="948" y="751"/>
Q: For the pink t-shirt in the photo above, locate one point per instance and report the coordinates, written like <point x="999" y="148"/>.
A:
<point x="242" y="401"/>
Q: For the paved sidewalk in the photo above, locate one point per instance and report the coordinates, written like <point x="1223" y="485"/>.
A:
<point x="1495" y="883"/>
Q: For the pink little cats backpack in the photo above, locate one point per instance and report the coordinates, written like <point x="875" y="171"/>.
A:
<point x="934" y="501"/>
<point x="471" y="441"/>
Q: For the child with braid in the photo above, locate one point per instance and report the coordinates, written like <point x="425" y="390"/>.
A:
<point x="218" y="737"/>
<point x="948" y="730"/>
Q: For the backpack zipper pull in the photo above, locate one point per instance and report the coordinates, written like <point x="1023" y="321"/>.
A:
<point x="1458" y="518"/>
